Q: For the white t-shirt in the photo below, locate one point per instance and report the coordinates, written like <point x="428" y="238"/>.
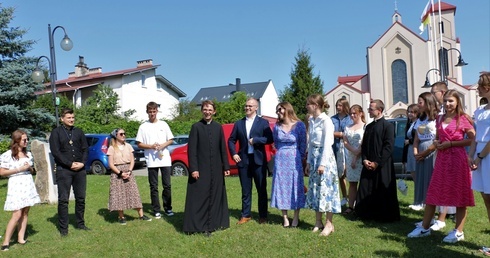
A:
<point x="150" y="133"/>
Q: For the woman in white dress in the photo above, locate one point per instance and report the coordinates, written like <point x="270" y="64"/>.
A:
<point x="480" y="148"/>
<point x="352" y="139"/>
<point x="16" y="163"/>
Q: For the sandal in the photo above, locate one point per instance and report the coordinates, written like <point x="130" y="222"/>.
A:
<point x="348" y="211"/>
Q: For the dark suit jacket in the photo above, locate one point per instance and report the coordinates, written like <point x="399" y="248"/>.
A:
<point x="261" y="134"/>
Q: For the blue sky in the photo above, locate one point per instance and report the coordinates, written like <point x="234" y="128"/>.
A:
<point x="210" y="43"/>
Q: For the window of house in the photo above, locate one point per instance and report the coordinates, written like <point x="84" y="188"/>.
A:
<point x="399" y="81"/>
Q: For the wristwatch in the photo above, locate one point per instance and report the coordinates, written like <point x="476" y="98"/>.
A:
<point x="478" y="155"/>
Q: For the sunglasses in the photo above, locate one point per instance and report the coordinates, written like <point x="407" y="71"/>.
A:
<point x="122" y="134"/>
<point x="25" y="140"/>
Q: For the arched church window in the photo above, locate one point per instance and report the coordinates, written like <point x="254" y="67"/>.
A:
<point x="399" y="81"/>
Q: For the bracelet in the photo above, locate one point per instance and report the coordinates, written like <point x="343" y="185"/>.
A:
<point x="478" y="156"/>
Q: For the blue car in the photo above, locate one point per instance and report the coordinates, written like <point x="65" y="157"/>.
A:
<point x="97" y="161"/>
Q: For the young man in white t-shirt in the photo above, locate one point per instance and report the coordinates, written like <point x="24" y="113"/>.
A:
<point x="154" y="136"/>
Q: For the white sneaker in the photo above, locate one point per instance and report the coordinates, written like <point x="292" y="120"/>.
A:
<point x="158" y="215"/>
<point x="419" y="224"/>
<point x="419" y="232"/>
<point x="417" y="207"/>
<point x="438" y="225"/>
<point x="344" y="201"/>
<point x="453" y="237"/>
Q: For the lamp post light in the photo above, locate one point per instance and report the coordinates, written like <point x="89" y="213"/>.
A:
<point x="460" y="58"/>
<point x="38" y="75"/>
<point x="427" y="82"/>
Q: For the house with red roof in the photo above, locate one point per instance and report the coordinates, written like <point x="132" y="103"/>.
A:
<point x="135" y="87"/>
<point x="400" y="61"/>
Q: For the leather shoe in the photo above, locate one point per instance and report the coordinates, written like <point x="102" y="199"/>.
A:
<point x="84" y="228"/>
<point x="243" y="220"/>
<point x="64" y="233"/>
<point x="262" y="220"/>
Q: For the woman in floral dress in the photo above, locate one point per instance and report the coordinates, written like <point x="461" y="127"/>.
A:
<point x="123" y="191"/>
<point x="16" y="163"/>
<point x="352" y="143"/>
<point x="323" y="193"/>
<point x="287" y="181"/>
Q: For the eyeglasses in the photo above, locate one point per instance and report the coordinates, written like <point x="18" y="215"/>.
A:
<point x="122" y="134"/>
<point x="25" y="140"/>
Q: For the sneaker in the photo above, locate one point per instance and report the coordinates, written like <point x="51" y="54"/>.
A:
<point x="344" y="201"/>
<point x="122" y="221"/>
<point x="419" y="224"/>
<point x="453" y="237"/>
<point x="158" y="215"/>
<point x="419" y="232"/>
<point x="416" y="207"/>
<point x="169" y="213"/>
<point x="145" y="218"/>
<point x="438" y="225"/>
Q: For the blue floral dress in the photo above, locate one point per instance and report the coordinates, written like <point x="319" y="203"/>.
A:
<point x="287" y="180"/>
<point x="323" y="193"/>
<point x="355" y="139"/>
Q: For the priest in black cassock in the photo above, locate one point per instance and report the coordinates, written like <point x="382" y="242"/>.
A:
<point x="206" y="204"/>
<point x="377" y="197"/>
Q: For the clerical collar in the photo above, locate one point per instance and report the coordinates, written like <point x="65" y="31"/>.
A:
<point x="376" y="119"/>
<point x="208" y="122"/>
<point x="67" y="127"/>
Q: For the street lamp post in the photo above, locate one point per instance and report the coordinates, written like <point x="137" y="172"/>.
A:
<point x="427" y="82"/>
<point x="38" y="76"/>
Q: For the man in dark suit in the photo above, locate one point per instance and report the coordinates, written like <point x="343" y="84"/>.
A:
<point x="252" y="133"/>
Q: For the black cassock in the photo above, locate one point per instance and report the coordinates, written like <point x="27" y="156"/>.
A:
<point x="206" y="204"/>
<point x="377" y="197"/>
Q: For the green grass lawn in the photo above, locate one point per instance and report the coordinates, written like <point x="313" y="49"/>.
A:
<point x="164" y="237"/>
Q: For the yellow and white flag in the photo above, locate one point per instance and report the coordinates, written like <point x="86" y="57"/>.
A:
<point x="425" y="17"/>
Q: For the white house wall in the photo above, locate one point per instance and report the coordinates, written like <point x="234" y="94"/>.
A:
<point x="269" y="101"/>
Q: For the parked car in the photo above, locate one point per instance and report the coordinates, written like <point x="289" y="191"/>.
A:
<point x="179" y="140"/>
<point x="399" y="124"/>
<point x="139" y="154"/>
<point x="180" y="162"/>
<point x="97" y="161"/>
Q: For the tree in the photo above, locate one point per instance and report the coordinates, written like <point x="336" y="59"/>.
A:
<point x="16" y="86"/>
<point x="100" y="108"/>
<point x="188" y="113"/>
<point x="303" y="83"/>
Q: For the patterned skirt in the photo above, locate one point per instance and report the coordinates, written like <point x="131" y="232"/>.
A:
<point x="124" y="194"/>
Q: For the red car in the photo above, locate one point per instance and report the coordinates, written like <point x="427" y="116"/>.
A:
<point x="180" y="163"/>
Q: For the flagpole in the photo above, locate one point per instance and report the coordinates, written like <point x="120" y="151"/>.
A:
<point x="435" y="57"/>
<point x="443" y="57"/>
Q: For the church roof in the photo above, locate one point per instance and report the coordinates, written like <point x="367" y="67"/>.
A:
<point x="444" y="7"/>
<point x="350" y="79"/>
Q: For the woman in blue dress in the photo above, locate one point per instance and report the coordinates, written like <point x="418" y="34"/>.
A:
<point x="287" y="181"/>
<point x="323" y="194"/>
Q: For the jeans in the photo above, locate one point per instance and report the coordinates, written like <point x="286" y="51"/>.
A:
<point x="66" y="179"/>
<point x="166" y="193"/>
